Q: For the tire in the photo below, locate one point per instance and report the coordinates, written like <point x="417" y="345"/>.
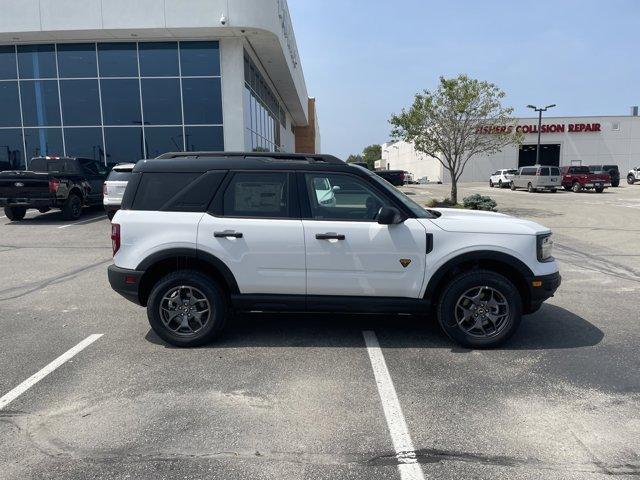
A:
<point x="530" y="188"/>
<point x="512" y="186"/>
<point x="554" y="190"/>
<point x="15" y="214"/>
<point x="599" y="189"/>
<point x="72" y="208"/>
<point x="631" y="179"/>
<point x="499" y="183"/>
<point x="567" y="188"/>
<point x="615" y="184"/>
<point x="576" y="187"/>
<point x="485" y="284"/>
<point x="172" y="332"/>
<point x="490" y="184"/>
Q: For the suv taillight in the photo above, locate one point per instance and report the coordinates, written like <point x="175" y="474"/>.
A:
<point x="54" y="184"/>
<point x="104" y="189"/>
<point x="115" y="238"/>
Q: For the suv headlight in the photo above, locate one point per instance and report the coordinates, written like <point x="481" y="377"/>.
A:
<point x="545" y="247"/>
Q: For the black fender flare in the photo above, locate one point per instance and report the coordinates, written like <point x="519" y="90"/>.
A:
<point x="509" y="261"/>
<point x="192" y="253"/>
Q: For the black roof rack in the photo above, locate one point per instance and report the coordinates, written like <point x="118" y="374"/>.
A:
<point x="300" y="157"/>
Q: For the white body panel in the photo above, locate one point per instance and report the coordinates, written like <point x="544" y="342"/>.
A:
<point x="114" y="191"/>
<point x="367" y="261"/>
<point x="143" y="233"/>
<point x="269" y="258"/>
<point x="502" y="177"/>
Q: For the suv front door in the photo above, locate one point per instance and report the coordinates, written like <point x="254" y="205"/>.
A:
<point x="348" y="252"/>
<point x="254" y="227"/>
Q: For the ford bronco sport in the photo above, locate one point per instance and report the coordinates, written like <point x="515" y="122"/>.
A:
<point x="199" y="234"/>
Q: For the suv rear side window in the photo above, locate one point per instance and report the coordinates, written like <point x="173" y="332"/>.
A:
<point x="258" y="195"/>
<point x="156" y="189"/>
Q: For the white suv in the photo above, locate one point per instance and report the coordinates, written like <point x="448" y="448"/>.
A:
<point x="633" y="176"/>
<point x="114" y="187"/>
<point x="200" y="234"/>
<point x="502" y="178"/>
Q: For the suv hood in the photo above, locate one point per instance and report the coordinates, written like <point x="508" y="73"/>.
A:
<point x="474" y="221"/>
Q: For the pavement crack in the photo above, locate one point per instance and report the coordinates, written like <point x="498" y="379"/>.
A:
<point x="23" y="290"/>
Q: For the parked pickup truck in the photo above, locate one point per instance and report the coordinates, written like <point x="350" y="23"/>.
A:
<point x="52" y="182"/>
<point x="394" y="177"/>
<point x="580" y="178"/>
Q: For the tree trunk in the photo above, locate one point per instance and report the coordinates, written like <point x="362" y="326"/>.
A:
<point x="454" y="189"/>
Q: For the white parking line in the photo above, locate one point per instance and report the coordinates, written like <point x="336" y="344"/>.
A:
<point x="405" y="453"/>
<point x="83" y="221"/>
<point x="36" y="377"/>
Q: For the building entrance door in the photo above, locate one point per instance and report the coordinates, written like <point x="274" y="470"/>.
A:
<point x="549" y="155"/>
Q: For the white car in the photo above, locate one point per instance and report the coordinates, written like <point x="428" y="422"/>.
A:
<point x="114" y="187"/>
<point x="502" y="178"/>
<point x="199" y="236"/>
<point x="633" y="176"/>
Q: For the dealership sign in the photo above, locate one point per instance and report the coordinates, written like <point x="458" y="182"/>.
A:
<point x="547" y="128"/>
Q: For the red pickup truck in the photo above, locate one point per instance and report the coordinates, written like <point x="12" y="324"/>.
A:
<point x="580" y="178"/>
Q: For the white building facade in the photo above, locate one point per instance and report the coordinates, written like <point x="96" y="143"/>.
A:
<point x="611" y="140"/>
<point x="120" y="80"/>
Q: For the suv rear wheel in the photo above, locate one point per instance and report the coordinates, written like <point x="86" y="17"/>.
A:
<point x="480" y="309"/>
<point x="187" y="309"/>
<point x="631" y="179"/>
<point x="15" y="213"/>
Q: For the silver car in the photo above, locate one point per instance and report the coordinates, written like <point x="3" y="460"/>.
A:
<point x="536" y="178"/>
<point x="114" y="187"/>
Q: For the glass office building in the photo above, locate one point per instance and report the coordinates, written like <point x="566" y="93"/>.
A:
<point x="113" y="102"/>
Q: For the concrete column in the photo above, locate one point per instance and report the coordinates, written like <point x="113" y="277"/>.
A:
<point x="232" y="70"/>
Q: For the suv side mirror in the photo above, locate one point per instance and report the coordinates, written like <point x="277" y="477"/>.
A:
<point x="389" y="216"/>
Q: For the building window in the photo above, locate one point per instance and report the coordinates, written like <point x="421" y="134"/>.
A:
<point x="264" y="115"/>
<point x="113" y="102"/>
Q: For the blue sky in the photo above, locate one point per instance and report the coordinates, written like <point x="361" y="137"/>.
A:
<point x="365" y="59"/>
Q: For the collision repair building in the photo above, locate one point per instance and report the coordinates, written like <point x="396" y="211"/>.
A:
<point x="612" y="140"/>
<point x="120" y="80"/>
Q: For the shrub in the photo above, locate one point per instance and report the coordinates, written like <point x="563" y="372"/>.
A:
<point x="479" y="202"/>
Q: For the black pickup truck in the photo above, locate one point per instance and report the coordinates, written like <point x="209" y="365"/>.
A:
<point x="52" y="182"/>
<point x="394" y="177"/>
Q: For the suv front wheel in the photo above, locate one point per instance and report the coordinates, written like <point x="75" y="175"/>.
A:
<point x="187" y="309"/>
<point x="480" y="309"/>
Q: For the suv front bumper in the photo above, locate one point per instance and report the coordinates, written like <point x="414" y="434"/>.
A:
<point x="542" y="288"/>
<point x="126" y="282"/>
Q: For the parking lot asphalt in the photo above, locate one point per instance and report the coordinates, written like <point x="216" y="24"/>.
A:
<point x="296" y="396"/>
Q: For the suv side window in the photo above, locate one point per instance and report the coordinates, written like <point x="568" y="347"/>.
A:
<point x="337" y="196"/>
<point x="156" y="189"/>
<point x="258" y="195"/>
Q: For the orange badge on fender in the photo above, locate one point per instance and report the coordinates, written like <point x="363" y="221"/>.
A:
<point x="405" y="262"/>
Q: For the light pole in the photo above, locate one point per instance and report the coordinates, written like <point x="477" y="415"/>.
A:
<point x="540" y="110"/>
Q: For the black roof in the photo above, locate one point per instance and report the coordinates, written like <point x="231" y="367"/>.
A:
<point x="205" y="161"/>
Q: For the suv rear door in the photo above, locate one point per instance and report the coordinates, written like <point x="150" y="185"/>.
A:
<point x="348" y="253"/>
<point x="254" y="227"/>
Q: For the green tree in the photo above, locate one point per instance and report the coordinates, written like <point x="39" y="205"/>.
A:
<point x="372" y="153"/>
<point x="354" y="158"/>
<point x="462" y="118"/>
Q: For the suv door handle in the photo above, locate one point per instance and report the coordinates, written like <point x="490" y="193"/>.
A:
<point x="330" y="236"/>
<point x="227" y="234"/>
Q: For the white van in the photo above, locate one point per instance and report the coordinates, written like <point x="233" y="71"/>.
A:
<point x="536" y="178"/>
